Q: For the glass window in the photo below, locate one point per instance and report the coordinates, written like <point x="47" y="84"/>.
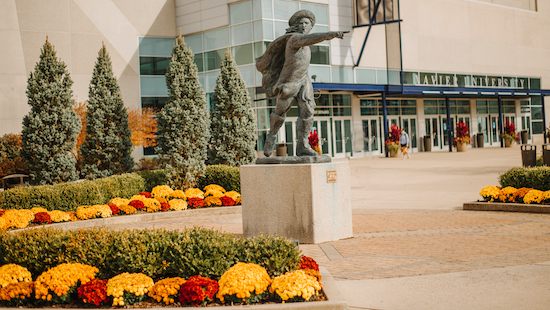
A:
<point x="319" y="73"/>
<point x="153" y="65"/>
<point x="194" y="42"/>
<point x="319" y="55"/>
<point x="392" y="107"/>
<point x="508" y="106"/>
<point x="156" y="46"/>
<point x="268" y="30"/>
<point x="493" y="106"/>
<point x="154" y="86"/>
<point x="409" y="78"/>
<point x="210" y="80"/>
<point x="534" y="83"/>
<point x="243" y="54"/>
<point x="341" y="100"/>
<point x="365" y="75"/>
<point x="239" y="12"/>
<point x="199" y="61"/>
<point x="369" y="106"/>
<point x="213" y="59"/>
<point x="259" y="49"/>
<point x="256" y="9"/>
<point x="464" y="80"/>
<point x="216" y="39"/>
<point x="241" y="33"/>
<point x="536" y="113"/>
<point x="408" y="107"/>
<point x="280" y="28"/>
<point x="323" y="100"/>
<point x="267" y="9"/>
<point x="156" y="103"/>
<point x="284" y="9"/>
<point x="430" y="107"/>
<point x="463" y="106"/>
<point x="481" y="107"/>
<point x="381" y="77"/>
<point x="320" y="11"/>
<point x="537" y="127"/>
<point x="257" y="30"/>
<point x="342" y="74"/>
<point x="247" y="73"/>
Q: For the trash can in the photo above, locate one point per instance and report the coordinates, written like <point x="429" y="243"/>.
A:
<point x="529" y="155"/>
<point x="524" y="136"/>
<point x="479" y="139"/>
<point x="546" y="154"/>
<point x="427" y="143"/>
<point x="281" y="149"/>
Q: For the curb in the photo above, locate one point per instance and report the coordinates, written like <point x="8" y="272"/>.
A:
<point x="125" y="219"/>
<point x="507" y="207"/>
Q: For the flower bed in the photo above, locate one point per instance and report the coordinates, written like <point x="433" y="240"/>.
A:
<point x="512" y="195"/>
<point x="161" y="199"/>
<point x="77" y="285"/>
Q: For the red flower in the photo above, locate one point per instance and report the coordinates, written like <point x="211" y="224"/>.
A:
<point x="164" y="206"/>
<point x="227" y="201"/>
<point x="393" y="134"/>
<point x="146" y="194"/>
<point x="42" y="218"/>
<point x="313" y="139"/>
<point x="195" y="203"/>
<point x="93" y="292"/>
<point x="308" y="263"/>
<point x="114" y="208"/>
<point x="198" y="290"/>
<point x="138" y="204"/>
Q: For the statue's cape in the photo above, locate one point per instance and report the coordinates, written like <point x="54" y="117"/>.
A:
<point x="271" y="63"/>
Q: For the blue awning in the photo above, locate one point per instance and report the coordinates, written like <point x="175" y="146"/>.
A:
<point x="431" y="90"/>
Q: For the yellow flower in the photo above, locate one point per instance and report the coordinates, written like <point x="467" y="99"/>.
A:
<point x="534" y="196"/>
<point x="178" y="194"/>
<point x="243" y="279"/>
<point x="295" y="283"/>
<point x="507" y="194"/>
<point x="161" y="191"/>
<point x="134" y="283"/>
<point x="19" y="290"/>
<point x="90" y="212"/>
<point x="490" y="193"/>
<point x="38" y="210"/>
<point x="60" y="279"/>
<point x="119" y="201"/>
<point x="166" y="290"/>
<point x="59" y="216"/>
<point x="17" y="218"/>
<point x="212" y="201"/>
<point x="139" y="197"/>
<point x="12" y="273"/>
<point x="151" y="205"/>
<point x="126" y="209"/>
<point x="214" y="193"/>
<point x="177" y="204"/>
<point x="236" y="196"/>
<point x="3" y="224"/>
<point x="194" y="193"/>
<point x="214" y="187"/>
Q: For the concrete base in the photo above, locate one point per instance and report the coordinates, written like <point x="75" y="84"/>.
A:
<point x="297" y="201"/>
<point x="508" y="207"/>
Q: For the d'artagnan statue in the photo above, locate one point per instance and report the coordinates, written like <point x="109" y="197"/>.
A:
<point x="284" y="66"/>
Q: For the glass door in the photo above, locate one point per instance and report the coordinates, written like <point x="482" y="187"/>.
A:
<point x="495" y="135"/>
<point x="432" y="130"/>
<point x="290" y="128"/>
<point x="409" y="124"/>
<point x="371" y="138"/>
<point x="321" y="125"/>
<point x="445" y="127"/>
<point x="342" y="138"/>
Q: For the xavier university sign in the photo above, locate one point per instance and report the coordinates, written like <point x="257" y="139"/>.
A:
<point x="457" y="80"/>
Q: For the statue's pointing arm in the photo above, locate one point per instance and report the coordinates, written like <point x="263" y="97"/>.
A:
<point x="314" y="38"/>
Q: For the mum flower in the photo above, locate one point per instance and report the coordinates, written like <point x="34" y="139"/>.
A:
<point x="244" y="283"/>
<point x="533" y="196"/>
<point x="16" y="294"/>
<point x="13" y="273"/>
<point x="194" y="193"/>
<point x="18" y="218"/>
<point x="178" y="194"/>
<point x="119" y="201"/>
<point x="214" y="187"/>
<point x="198" y="290"/>
<point x="212" y="201"/>
<point x="59" y="216"/>
<point x="166" y="290"/>
<point x="490" y="193"/>
<point x="295" y="286"/>
<point x="177" y="204"/>
<point x="128" y="288"/>
<point x="161" y="191"/>
<point x="236" y="196"/>
<point x="57" y="283"/>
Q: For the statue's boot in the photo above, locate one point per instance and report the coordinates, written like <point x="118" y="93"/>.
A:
<point x="275" y="123"/>
<point x="303" y="127"/>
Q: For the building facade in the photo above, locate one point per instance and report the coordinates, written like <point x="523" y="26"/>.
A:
<point x="420" y="64"/>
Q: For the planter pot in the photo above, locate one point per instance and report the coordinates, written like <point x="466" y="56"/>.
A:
<point x="508" y="143"/>
<point x="393" y="153"/>
<point x="462" y="147"/>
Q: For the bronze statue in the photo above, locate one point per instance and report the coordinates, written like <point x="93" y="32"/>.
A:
<point x="284" y="66"/>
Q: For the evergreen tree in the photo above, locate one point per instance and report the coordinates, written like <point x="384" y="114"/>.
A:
<point x="184" y="123"/>
<point x="51" y="127"/>
<point x="107" y="144"/>
<point x="233" y="122"/>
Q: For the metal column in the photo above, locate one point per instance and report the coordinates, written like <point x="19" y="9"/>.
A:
<point x="500" y="127"/>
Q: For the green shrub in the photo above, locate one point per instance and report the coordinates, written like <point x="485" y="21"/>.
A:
<point x="154" y="177"/>
<point x="69" y="196"/>
<point x="225" y="176"/>
<point x="157" y="253"/>
<point x="531" y="177"/>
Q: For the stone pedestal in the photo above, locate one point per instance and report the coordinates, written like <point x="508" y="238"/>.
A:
<point x="310" y="203"/>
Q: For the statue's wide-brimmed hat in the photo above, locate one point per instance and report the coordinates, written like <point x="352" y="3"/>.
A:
<point x="301" y="14"/>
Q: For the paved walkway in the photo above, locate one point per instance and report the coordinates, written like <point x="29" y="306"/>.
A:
<point x="415" y="248"/>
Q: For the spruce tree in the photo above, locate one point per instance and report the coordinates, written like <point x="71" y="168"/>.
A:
<point x="51" y="127"/>
<point x="184" y="123"/>
<point x="107" y="144"/>
<point x="233" y="121"/>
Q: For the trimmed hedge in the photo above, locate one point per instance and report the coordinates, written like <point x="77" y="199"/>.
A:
<point x="157" y="253"/>
<point x="154" y="178"/>
<point x="69" y="196"/>
<point x="530" y="177"/>
<point x="227" y="177"/>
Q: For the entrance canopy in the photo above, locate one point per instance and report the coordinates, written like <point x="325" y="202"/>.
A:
<point x="424" y="91"/>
